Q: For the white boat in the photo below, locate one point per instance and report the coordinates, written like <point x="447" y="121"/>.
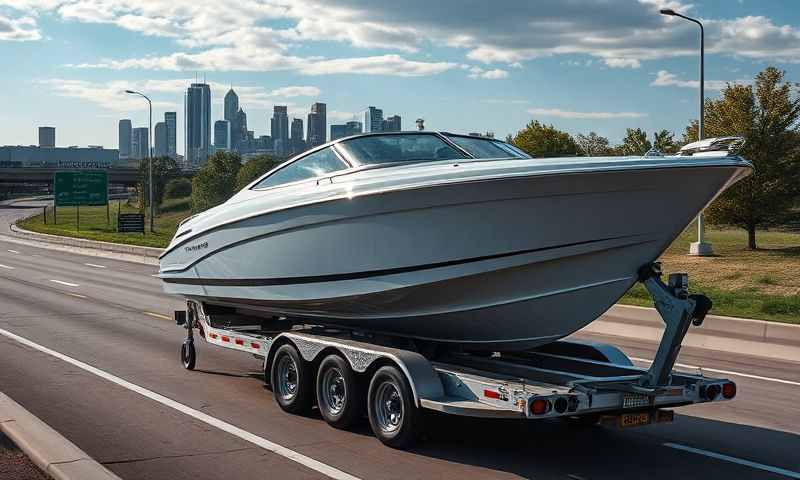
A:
<point x="442" y="237"/>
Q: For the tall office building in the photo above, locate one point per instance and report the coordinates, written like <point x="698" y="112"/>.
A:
<point x="279" y="129"/>
<point x="47" y="137"/>
<point x="239" y="140"/>
<point x="198" y="124"/>
<point x="373" y="120"/>
<point x="296" y="139"/>
<point x="160" y="143"/>
<point x="222" y="135"/>
<point x="171" y="119"/>
<point x="317" y="125"/>
<point x="231" y="114"/>
<point x="345" y="130"/>
<point x="392" y="124"/>
<point x="140" y="143"/>
<point x="125" y="138"/>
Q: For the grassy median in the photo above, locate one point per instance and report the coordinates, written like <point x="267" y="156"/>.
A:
<point x="95" y="225"/>
<point x="762" y="284"/>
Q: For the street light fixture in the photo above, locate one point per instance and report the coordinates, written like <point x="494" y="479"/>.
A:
<point x="149" y="156"/>
<point x="699" y="248"/>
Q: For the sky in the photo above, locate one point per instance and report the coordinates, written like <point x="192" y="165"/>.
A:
<point x="462" y="65"/>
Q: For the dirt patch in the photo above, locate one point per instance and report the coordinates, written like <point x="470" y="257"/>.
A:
<point x="16" y="465"/>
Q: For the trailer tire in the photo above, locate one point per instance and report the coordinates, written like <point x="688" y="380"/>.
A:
<point x="292" y="381"/>
<point x="393" y="415"/>
<point x="340" y="397"/>
<point x="188" y="355"/>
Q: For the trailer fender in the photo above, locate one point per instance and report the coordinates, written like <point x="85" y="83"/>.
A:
<point x="424" y="381"/>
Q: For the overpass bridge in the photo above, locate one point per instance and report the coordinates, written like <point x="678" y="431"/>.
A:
<point x="44" y="175"/>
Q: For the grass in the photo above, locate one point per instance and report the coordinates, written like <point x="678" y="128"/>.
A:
<point x="762" y="284"/>
<point x="94" y="225"/>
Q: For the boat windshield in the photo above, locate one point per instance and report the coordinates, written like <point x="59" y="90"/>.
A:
<point x="372" y="149"/>
<point x="480" y="147"/>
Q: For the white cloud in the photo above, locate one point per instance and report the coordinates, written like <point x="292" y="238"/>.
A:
<point x="667" y="79"/>
<point x="265" y="35"/>
<point x="296" y="92"/>
<point x="494" y="74"/>
<point x="558" y="113"/>
<point x="21" y="29"/>
<point x="109" y="95"/>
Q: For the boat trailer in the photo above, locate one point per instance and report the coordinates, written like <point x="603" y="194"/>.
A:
<point x="349" y="373"/>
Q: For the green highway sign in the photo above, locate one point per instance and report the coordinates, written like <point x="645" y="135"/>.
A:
<point x="81" y="187"/>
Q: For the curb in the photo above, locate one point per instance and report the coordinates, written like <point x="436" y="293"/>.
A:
<point x="778" y="341"/>
<point x="48" y="449"/>
<point x="131" y="253"/>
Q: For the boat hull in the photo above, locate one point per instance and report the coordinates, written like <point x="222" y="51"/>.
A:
<point x="501" y="263"/>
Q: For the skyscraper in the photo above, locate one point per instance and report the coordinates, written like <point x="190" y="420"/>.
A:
<point x="125" y="139"/>
<point x="317" y="125"/>
<point x="140" y="143"/>
<point x="373" y="120"/>
<point x="171" y="119"/>
<point x="198" y="124"/>
<point x="222" y="135"/>
<point x="392" y="124"/>
<point x="47" y="137"/>
<point x="231" y="114"/>
<point x="345" y="130"/>
<point x="298" y="145"/>
<point x="279" y="129"/>
<point x="160" y="143"/>
<point x="239" y="140"/>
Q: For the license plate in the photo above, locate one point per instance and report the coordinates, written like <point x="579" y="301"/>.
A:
<point x="634" y="419"/>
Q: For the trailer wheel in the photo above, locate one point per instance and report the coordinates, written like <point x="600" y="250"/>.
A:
<point x="339" y="395"/>
<point x="394" y="417"/>
<point x="188" y="355"/>
<point x="292" y="383"/>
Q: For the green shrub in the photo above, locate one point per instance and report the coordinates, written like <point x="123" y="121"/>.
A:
<point x="178" y="188"/>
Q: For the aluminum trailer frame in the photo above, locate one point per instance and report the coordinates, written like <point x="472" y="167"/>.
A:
<point x="566" y="379"/>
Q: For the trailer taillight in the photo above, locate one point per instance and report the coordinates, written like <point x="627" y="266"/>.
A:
<point x="560" y="405"/>
<point x="540" y="406"/>
<point x="729" y="390"/>
<point x="712" y="391"/>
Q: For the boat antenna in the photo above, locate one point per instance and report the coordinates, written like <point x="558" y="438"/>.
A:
<point x="420" y="124"/>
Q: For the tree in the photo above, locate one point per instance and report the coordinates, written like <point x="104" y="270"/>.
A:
<point x="540" y="140"/>
<point x="254" y="168"/>
<point x="664" y="141"/>
<point x="178" y="188"/>
<point x="767" y="115"/>
<point x="216" y="181"/>
<point x="635" y="142"/>
<point x="164" y="170"/>
<point x="592" y="145"/>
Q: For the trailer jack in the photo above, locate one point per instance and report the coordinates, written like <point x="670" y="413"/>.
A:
<point x="678" y="310"/>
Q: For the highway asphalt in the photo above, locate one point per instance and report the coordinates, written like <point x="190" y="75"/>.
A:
<point x="89" y="347"/>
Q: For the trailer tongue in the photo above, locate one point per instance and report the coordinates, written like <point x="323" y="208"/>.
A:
<point x="349" y="373"/>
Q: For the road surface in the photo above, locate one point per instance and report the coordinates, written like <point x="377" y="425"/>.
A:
<point x="88" y="346"/>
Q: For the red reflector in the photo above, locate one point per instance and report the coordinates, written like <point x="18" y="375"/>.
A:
<point x="540" y="406"/>
<point x="729" y="390"/>
<point x="491" y="394"/>
<point x="239" y="341"/>
<point x="213" y="335"/>
<point x="226" y="339"/>
<point x="255" y="345"/>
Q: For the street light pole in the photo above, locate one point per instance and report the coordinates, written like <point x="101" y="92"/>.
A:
<point x="149" y="157"/>
<point x="699" y="248"/>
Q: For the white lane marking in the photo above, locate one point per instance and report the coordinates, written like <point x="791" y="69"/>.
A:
<point x="75" y="295"/>
<point x="158" y="315"/>
<point x="65" y="283"/>
<point x="154" y="275"/>
<point x="13" y="251"/>
<point x="726" y="372"/>
<point x="185" y="409"/>
<point x="94" y="265"/>
<point x="6" y="267"/>
<point x="740" y="461"/>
